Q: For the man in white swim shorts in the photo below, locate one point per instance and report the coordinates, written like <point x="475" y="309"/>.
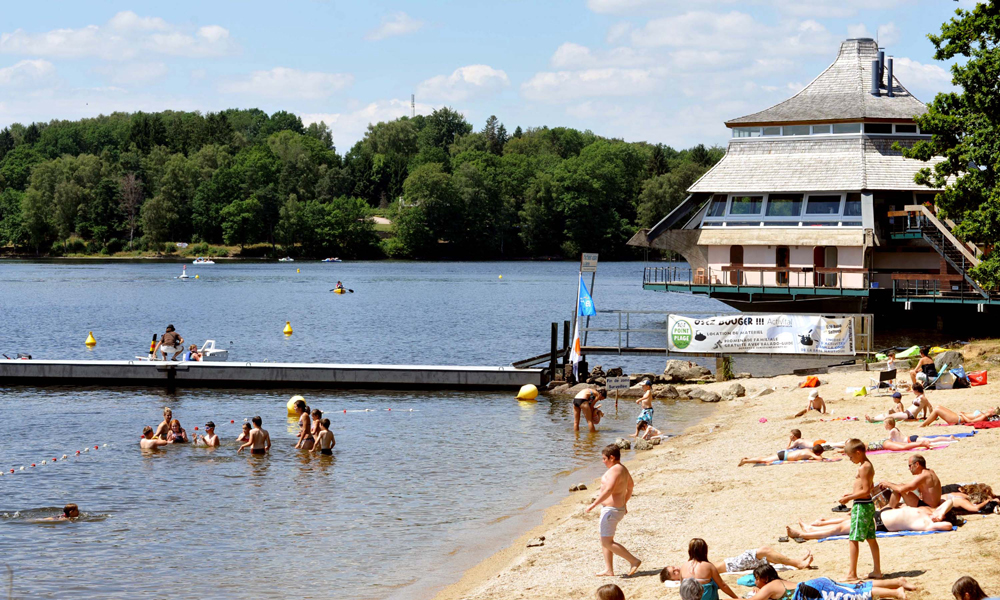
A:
<point x="616" y="490"/>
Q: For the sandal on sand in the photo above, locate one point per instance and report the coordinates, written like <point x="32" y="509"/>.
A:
<point x="783" y="538"/>
<point x="841" y="508"/>
<point x="799" y="540"/>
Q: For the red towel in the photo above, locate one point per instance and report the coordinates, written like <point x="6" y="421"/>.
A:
<point x="987" y="425"/>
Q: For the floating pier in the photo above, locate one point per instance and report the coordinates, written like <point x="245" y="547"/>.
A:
<point x="262" y="375"/>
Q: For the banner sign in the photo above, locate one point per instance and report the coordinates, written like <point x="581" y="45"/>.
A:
<point x="617" y="384"/>
<point x="761" y="334"/>
<point x="588" y="262"/>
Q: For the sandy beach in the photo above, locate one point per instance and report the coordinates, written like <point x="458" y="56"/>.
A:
<point x="690" y="486"/>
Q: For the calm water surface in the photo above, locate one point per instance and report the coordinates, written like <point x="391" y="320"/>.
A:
<point x="410" y="498"/>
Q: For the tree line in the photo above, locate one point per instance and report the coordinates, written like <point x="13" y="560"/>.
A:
<point x="145" y="181"/>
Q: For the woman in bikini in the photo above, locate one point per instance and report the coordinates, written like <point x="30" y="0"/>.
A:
<point x="770" y="586"/>
<point x="919" y="405"/>
<point x="305" y="426"/>
<point x="952" y="417"/>
<point x="704" y="572"/>
<point x="164" y="428"/>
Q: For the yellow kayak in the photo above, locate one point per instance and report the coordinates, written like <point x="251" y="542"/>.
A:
<point x="339" y="291"/>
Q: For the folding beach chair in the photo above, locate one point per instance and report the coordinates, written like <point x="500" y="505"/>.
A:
<point x="942" y="371"/>
<point x="886" y="381"/>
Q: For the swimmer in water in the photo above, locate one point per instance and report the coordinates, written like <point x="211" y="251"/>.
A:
<point x="317" y="416"/>
<point x="149" y="441"/>
<point x="305" y="426"/>
<point x="70" y="512"/>
<point x="177" y="435"/>
<point x="260" y="439"/>
<point x="164" y="428"/>
<point x="324" y="440"/>
<point x="209" y="439"/>
<point x="245" y="435"/>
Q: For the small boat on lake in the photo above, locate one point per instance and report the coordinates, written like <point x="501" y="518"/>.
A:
<point x="331" y="260"/>
<point x="286" y="259"/>
<point x="203" y="261"/>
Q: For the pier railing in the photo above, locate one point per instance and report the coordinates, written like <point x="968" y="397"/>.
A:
<point x="773" y="278"/>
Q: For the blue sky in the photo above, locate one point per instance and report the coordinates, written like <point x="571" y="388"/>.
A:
<point x="666" y="71"/>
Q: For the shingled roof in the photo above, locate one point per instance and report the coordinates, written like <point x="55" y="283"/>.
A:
<point x="802" y="165"/>
<point x="842" y="93"/>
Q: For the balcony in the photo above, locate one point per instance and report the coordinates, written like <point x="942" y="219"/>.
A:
<point x="738" y="279"/>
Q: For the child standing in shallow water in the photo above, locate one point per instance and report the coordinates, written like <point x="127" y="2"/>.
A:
<point x="646" y="403"/>
<point x="863" y="510"/>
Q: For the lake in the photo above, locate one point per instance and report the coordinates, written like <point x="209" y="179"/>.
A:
<point x="412" y="495"/>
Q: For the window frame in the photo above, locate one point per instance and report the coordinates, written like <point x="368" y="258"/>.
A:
<point x="761" y="219"/>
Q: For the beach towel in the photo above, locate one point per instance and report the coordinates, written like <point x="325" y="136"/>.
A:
<point x="839" y="419"/>
<point x="987" y="424"/>
<point x="747" y="579"/>
<point x="955" y="435"/>
<point x="887" y="534"/>
<point x="785" y="462"/>
<point x="810" y="382"/>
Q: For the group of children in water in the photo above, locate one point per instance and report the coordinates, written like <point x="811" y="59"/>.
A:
<point x="314" y="433"/>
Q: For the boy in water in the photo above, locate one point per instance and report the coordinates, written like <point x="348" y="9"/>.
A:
<point x="70" y="512"/>
<point x="646" y="402"/>
<point x="324" y="440"/>
<point x="210" y="439"/>
<point x="863" y="510"/>
<point x="260" y="439"/>
<point x="148" y="441"/>
<point x="647" y="431"/>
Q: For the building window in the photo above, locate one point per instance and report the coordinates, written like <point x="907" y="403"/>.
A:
<point x="852" y="206"/>
<point x="823" y="205"/>
<point x="718" y="207"/>
<point x="772" y="130"/>
<point x="746" y="205"/>
<point x="911" y="129"/>
<point x="784" y="205"/>
<point x="847" y="128"/>
<point x="820" y="129"/>
<point x="879" y="128"/>
<point x="745" y="132"/>
<point x="795" y="130"/>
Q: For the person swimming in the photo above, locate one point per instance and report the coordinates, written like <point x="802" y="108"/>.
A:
<point x="324" y="439"/>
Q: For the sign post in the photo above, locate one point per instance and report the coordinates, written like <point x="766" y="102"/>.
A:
<point x="617" y="384"/>
<point x="588" y="264"/>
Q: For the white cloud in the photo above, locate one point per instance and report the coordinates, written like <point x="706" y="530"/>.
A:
<point x="888" y="34"/>
<point x="136" y="73"/>
<point x="619" y="32"/>
<point x="124" y="37"/>
<point x="915" y="76"/>
<point x="284" y="83"/>
<point x="567" y="86"/>
<point x="858" y="30"/>
<point x="464" y="83"/>
<point x="594" y="110"/>
<point x="396" y="24"/>
<point x="575" y="56"/>
<point x="349" y="127"/>
<point x="26" y="73"/>
<point x="798" y="8"/>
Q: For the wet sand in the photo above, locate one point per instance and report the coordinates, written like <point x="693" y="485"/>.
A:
<point x="690" y="486"/>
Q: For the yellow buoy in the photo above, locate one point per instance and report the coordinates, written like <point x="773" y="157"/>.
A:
<point x="288" y="328"/>
<point x="291" y="405"/>
<point x="528" y="393"/>
<point x="91" y="342"/>
<point x="501" y="277"/>
<point x="196" y="277"/>
<point x="298" y="270"/>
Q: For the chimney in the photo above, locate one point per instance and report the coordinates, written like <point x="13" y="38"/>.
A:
<point x="875" y="90"/>
<point x="888" y="79"/>
<point x="881" y="65"/>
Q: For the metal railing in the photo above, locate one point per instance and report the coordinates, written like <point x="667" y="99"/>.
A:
<point x="652" y="326"/>
<point x="767" y="277"/>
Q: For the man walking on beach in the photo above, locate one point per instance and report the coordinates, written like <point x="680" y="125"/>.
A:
<point x="616" y="490"/>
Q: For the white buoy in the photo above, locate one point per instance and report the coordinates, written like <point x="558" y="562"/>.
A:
<point x="184" y="272"/>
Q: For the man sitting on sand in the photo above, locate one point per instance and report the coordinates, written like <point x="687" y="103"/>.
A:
<point x="815" y="403"/>
<point x="925" y="489"/>
<point x="748" y="560"/>
<point x="148" y="441"/>
<point x="905" y="518"/>
<point x="815" y="453"/>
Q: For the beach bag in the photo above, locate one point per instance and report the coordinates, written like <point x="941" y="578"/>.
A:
<point x="945" y="381"/>
<point x="810" y="381"/>
<point x="961" y="379"/>
<point x="977" y="378"/>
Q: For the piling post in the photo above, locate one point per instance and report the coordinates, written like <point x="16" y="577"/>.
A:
<point x="565" y="345"/>
<point x="554" y="341"/>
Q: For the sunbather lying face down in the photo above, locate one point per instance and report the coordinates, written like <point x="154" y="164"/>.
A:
<point x="816" y="453"/>
<point x="905" y="518"/>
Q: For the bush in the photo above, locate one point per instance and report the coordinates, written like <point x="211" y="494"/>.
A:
<point x="114" y="245"/>
<point x="255" y="251"/>
<point x="394" y="248"/>
<point x="74" y="246"/>
<point x="94" y="247"/>
<point x="57" y="249"/>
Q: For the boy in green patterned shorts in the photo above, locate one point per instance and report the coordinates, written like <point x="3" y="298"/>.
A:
<point x="863" y="510"/>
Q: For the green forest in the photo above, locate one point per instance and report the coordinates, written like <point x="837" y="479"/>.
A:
<point x="265" y="185"/>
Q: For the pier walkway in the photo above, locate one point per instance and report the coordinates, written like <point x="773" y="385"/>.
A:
<point x="262" y="375"/>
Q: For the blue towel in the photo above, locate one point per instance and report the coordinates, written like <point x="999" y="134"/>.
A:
<point x="747" y="580"/>
<point x="955" y="435"/>
<point x="882" y="534"/>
